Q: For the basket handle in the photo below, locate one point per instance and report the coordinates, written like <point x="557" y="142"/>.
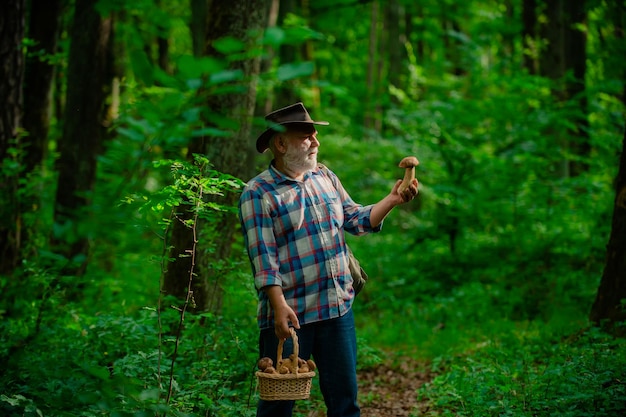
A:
<point x="296" y="348"/>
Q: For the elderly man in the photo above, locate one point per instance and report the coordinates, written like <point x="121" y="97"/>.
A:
<point x="293" y="217"/>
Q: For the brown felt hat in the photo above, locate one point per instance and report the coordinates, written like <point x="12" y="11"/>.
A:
<point x="278" y="121"/>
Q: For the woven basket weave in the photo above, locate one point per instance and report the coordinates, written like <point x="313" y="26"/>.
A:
<point x="293" y="386"/>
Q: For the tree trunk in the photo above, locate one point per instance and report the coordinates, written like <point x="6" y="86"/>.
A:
<point x="452" y="44"/>
<point x="43" y="30"/>
<point x="552" y="66"/>
<point x="529" y="35"/>
<point x="284" y="94"/>
<point x="416" y="12"/>
<point x="197" y="25"/>
<point x="372" y="68"/>
<point x="266" y="62"/>
<point x="232" y="155"/>
<point x="609" y="307"/>
<point x="12" y="14"/>
<point x="88" y="82"/>
<point x="395" y="44"/>
<point x="552" y="59"/>
<point x="576" y="61"/>
<point x="619" y="23"/>
<point x="565" y="51"/>
<point x="163" y="45"/>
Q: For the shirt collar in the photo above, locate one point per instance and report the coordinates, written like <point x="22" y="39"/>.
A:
<point x="280" y="178"/>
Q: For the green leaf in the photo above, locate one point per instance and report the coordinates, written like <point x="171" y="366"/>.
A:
<point x="228" y="45"/>
<point x="226" y="76"/>
<point x="141" y="66"/>
<point x="210" y="131"/>
<point x="274" y="36"/>
<point x="290" y="71"/>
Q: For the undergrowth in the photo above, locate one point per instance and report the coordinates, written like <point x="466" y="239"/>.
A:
<point x="109" y="365"/>
<point x="530" y="373"/>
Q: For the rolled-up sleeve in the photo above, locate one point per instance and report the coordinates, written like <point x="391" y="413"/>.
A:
<point x="259" y="238"/>
<point x="357" y="217"/>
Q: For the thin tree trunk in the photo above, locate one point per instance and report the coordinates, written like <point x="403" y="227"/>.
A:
<point x="380" y="102"/>
<point x="369" y="121"/>
<point x="163" y="46"/>
<point x="565" y="51"/>
<point x="420" y="48"/>
<point x="552" y="65"/>
<point x="266" y="62"/>
<point x="529" y="35"/>
<point x="576" y="61"/>
<point x="43" y="30"/>
<point x="12" y="22"/>
<point x="88" y="84"/>
<point x="197" y="25"/>
<point x="284" y="94"/>
<point x="609" y="307"/>
<point x="395" y="45"/>
<point x="308" y="55"/>
<point x="552" y="60"/>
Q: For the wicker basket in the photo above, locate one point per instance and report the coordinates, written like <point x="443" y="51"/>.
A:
<point x="293" y="386"/>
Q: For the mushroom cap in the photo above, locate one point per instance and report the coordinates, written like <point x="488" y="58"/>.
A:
<point x="409" y="162"/>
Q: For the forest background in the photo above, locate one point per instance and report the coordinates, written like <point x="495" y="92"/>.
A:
<point x="126" y="134"/>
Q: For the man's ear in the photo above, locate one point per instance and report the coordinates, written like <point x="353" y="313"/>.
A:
<point x="279" y="142"/>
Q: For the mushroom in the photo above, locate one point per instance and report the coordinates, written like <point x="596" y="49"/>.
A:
<point x="409" y="163"/>
<point x="286" y="363"/>
<point x="265" y="363"/>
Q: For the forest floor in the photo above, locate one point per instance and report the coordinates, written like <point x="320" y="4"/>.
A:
<point x="390" y="390"/>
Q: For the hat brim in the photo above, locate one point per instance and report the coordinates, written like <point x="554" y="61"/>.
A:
<point x="262" y="142"/>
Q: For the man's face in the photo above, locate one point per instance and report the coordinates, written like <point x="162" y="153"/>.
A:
<point x="301" y="154"/>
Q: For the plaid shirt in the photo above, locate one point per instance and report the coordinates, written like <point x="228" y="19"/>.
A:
<point x="294" y="234"/>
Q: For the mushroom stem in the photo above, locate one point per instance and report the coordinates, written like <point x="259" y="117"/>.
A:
<point x="409" y="175"/>
<point x="409" y="163"/>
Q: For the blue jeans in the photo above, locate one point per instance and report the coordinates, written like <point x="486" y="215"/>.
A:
<point x="332" y="343"/>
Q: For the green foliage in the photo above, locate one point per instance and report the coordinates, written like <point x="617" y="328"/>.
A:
<point x="528" y="372"/>
<point x="109" y="365"/>
<point x="192" y="184"/>
<point x="488" y="275"/>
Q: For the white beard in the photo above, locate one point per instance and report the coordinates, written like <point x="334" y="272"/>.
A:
<point x="299" y="160"/>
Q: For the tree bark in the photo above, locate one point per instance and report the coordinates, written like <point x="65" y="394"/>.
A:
<point x="232" y="155"/>
<point x="576" y="62"/>
<point x="529" y="35"/>
<point x="12" y="22"/>
<point x="564" y="52"/>
<point x="395" y="44"/>
<point x="370" y="108"/>
<point x="88" y="83"/>
<point x="43" y="30"/>
<point x="197" y="25"/>
<point x="163" y="46"/>
<point x="609" y="307"/>
<point x="552" y="59"/>
<point x="284" y="94"/>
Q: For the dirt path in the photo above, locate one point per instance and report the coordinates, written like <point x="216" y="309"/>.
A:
<point x="391" y="391"/>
